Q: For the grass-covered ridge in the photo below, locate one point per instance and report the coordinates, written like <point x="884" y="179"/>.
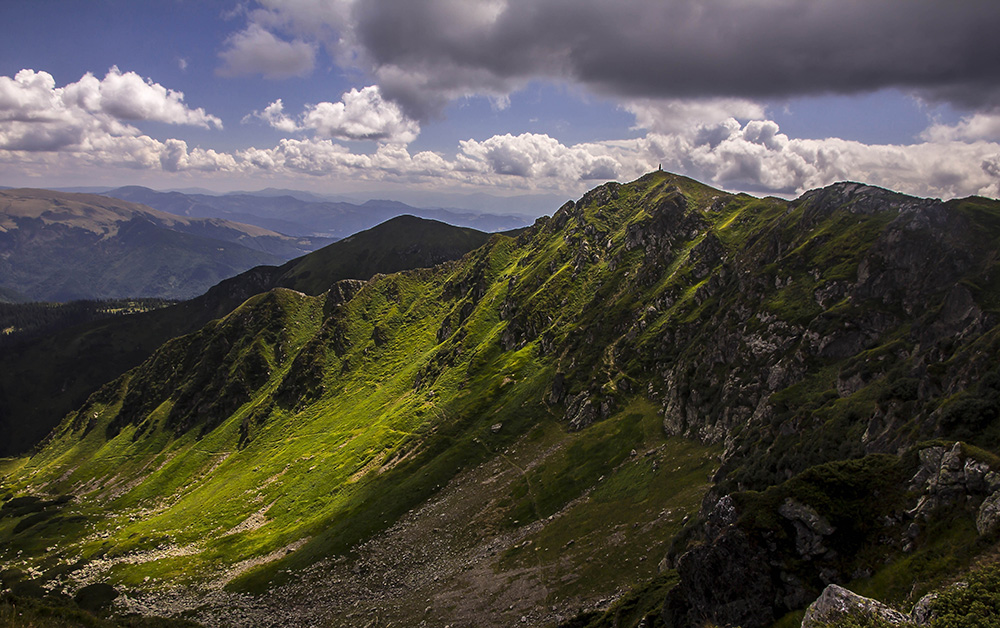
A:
<point x="50" y="375"/>
<point x="646" y="346"/>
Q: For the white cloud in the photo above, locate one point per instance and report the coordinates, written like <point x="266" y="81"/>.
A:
<point x="32" y="105"/>
<point x="360" y="115"/>
<point x="533" y="156"/>
<point x="274" y="115"/>
<point x="982" y="125"/>
<point x="128" y="97"/>
<point x="676" y="115"/>
<point x="85" y="122"/>
<point x="757" y="157"/>
<point x="90" y="124"/>
<point x="255" y="50"/>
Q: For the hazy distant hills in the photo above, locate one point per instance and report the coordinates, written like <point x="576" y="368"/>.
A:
<point x="59" y="246"/>
<point x="306" y="215"/>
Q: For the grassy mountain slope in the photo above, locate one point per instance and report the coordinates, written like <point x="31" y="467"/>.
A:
<point x="47" y="377"/>
<point x="58" y="246"/>
<point x="663" y="388"/>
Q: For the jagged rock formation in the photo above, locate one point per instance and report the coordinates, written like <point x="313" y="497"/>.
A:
<point x="803" y="550"/>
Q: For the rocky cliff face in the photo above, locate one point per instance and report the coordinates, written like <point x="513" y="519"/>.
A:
<point x="833" y="524"/>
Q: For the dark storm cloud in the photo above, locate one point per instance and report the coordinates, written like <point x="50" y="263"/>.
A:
<point x="429" y="51"/>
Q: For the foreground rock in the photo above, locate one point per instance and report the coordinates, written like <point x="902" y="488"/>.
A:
<point x="838" y="603"/>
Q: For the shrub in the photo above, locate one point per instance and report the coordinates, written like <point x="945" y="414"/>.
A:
<point x="973" y="604"/>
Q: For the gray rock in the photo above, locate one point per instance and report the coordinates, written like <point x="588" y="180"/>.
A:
<point x="837" y="602"/>
<point x="580" y="412"/>
<point x="921" y="613"/>
<point x="930" y="462"/>
<point x="975" y="475"/>
<point x="810" y="527"/>
<point x="988" y="517"/>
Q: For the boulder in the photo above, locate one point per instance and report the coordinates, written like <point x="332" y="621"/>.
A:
<point x="988" y="517"/>
<point x="836" y="602"/>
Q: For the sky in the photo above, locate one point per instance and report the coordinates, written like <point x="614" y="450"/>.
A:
<point x="503" y="97"/>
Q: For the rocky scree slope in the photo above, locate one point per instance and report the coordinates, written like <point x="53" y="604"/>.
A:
<point x="816" y="344"/>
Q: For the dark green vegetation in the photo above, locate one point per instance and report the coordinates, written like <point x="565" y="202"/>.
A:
<point x="32" y="612"/>
<point x="714" y="403"/>
<point x="24" y="321"/>
<point x="57" y="246"/>
<point x="293" y="215"/>
<point x="46" y="377"/>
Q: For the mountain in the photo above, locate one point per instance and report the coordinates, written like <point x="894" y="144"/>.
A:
<point x="306" y="216"/>
<point x="522" y="205"/>
<point x="60" y="246"/>
<point x="46" y="377"/>
<point x="665" y="405"/>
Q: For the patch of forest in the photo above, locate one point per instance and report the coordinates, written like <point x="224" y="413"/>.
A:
<point x="24" y="321"/>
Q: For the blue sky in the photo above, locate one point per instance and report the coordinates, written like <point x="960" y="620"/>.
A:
<point x="500" y="96"/>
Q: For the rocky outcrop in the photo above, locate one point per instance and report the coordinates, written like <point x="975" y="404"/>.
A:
<point x="988" y="517"/>
<point x="811" y="529"/>
<point x="948" y="477"/>
<point x="724" y="582"/>
<point x="837" y="603"/>
<point x="799" y="546"/>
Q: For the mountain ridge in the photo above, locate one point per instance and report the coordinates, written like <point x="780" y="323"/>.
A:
<point x="663" y="389"/>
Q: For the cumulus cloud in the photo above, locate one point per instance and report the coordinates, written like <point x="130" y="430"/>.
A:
<point x="256" y="50"/>
<point x="33" y="97"/>
<point x="274" y="115"/>
<point x="427" y="52"/>
<point x="728" y="143"/>
<point x="758" y="157"/>
<point x="360" y="115"/>
<point x="533" y="156"/>
<point x="90" y="121"/>
<point x="755" y="157"/>
<point x="982" y="125"/>
<point x="323" y="157"/>
<point x="127" y="96"/>
<point x="674" y="115"/>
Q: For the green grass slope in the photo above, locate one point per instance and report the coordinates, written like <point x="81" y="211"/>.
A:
<point x="578" y="391"/>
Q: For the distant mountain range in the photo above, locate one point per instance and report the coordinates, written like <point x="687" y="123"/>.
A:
<point x="303" y="214"/>
<point x="60" y="246"/>
<point x="527" y="206"/>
